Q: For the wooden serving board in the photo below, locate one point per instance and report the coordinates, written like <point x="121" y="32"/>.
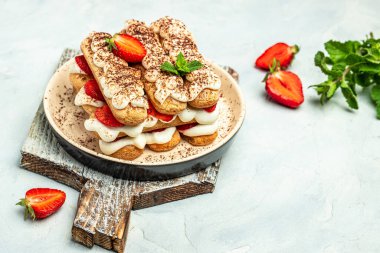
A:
<point x="105" y="203"/>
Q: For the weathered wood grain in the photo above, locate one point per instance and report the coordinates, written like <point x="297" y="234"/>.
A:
<point x="104" y="203"/>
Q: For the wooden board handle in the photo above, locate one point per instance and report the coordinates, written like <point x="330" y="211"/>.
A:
<point x="103" y="214"/>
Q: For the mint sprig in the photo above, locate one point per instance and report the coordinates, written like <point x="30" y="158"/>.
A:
<point x="348" y="65"/>
<point x="181" y="67"/>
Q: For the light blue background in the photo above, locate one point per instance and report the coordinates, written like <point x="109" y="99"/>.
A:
<point x="305" y="180"/>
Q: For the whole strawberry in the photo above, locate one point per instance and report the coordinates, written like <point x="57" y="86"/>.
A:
<point x="280" y="52"/>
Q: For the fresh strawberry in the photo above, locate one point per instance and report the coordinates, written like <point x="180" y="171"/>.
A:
<point x="282" y="52"/>
<point x="153" y="112"/>
<point x="210" y="109"/>
<point x="126" y="47"/>
<point x="187" y="126"/>
<point x="92" y="89"/>
<point x="285" y="87"/>
<point x="41" y="202"/>
<point x="105" y="116"/>
<point x="82" y="64"/>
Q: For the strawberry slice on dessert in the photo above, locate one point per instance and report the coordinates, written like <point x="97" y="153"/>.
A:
<point x="41" y="202"/>
<point x="153" y="112"/>
<point x="105" y="116"/>
<point x="285" y="87"/>
<point x="187" y="126"/>
<point x="126" y="47"/>
<point x="210" y="109"/>
<point x="91" y="88"/>
<point x="82" y="64"/>
<point x="280" y="52"/>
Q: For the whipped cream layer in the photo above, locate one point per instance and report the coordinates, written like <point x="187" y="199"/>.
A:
<point x="139" y="141"/>
<point x="166" y="84"/>
<point x="119" y="82"/>
<point x="83" y="99"/>
<point x="109" y="134"/>
<point x="200" y="130"/>
<point x="176" y="38"/>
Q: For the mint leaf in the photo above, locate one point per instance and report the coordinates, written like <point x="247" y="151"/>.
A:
<point x="349" y="95"/>
<point x="336" y="50"/>
<point x="167" y="66"/>
<point x="181" y="67"/>
<point x="375" y="95"/>
<point x="346" y="65"/>
<point x="320" y="61"/>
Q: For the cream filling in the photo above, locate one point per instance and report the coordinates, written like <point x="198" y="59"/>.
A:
<point x="200" y="115"/>
<point x="109" y="134"/>
<point x="139" y="141"/>
<point x="200" y="130"/>
<point x="83" y="99"/>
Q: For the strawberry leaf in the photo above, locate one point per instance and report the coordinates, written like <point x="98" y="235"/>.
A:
<point x="110" y="44"/>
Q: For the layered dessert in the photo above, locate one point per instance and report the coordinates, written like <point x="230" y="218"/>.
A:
<point x="146" y="87"/>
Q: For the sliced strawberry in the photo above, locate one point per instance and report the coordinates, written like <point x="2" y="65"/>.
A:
<point x="105" y="116"/>
<point x="82" y="64"/>
<point x="92" y="89"/>
<point x="187" y="126"/>
<point x="127" y="47"/>
<point x="210" y="109"/>
<point x="285" y="88"/>
<point x="282" y="52"/>
<point x="42" y="202"/>
<point x="153" y="112"/>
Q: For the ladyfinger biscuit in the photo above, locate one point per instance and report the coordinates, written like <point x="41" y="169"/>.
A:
<point x="202" y="140"/>
<point x="81" y="98"/>
<point x="176" y="38"/>
<point x="120" y="84"/>
<point x="166" y="146"/>
<point x="167" y="92"/>
<point x="129" y="153"/>
<point x="158" y="141"/>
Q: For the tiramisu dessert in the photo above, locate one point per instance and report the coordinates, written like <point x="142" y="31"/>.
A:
<point x="147" y="86"/>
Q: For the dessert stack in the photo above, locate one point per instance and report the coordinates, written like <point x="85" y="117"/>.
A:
<point x="147" y="86"/>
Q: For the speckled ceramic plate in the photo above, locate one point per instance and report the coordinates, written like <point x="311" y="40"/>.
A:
<point x="66" y="120"/>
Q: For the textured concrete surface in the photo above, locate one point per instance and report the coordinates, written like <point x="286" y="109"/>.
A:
<point x="304" y="180"/>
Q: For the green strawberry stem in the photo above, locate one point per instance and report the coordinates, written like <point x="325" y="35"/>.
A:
<point x="295" y="49"/>
<point x="28" y="209"/>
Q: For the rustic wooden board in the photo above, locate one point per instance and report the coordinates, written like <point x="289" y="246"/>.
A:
<point x="104" y="203"/>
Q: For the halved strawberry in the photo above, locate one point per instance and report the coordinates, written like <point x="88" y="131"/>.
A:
<point x="105" y="116"/>
<point x="187" y="126"/>
<point x="153" y="112"/>
<point x="126" y="47"/>
<point x="281" y="52"/>
<point x="285" y="87"/>
<point x="42" y="202"/>
<point x="82" y="64"/>
<point x="210" y="109"/>
<point x="92" y="89"/>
